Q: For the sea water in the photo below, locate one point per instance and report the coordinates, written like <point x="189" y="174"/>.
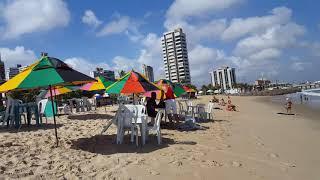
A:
<point x="309" y="98"/>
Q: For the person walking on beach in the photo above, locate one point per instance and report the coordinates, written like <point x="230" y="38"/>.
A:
<point x="288" y="105"/>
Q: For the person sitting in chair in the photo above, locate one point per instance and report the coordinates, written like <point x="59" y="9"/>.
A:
<point x="151" y="106"/>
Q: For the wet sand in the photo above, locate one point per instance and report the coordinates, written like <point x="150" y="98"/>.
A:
<point x="254" y="143"/>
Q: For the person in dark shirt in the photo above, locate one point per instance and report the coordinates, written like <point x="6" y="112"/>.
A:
<point x="152" y="105"/>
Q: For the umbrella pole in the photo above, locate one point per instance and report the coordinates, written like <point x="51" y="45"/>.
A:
<point x="54" y="117"/>
<point x="55" y="99"/>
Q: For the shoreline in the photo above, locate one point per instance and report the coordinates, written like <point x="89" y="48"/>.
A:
<point x="298" y="109"/>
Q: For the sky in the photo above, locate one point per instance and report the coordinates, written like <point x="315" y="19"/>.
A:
<point x="274" y="39"/>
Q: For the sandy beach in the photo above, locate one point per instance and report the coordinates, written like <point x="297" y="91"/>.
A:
<point x="254" y="143"/>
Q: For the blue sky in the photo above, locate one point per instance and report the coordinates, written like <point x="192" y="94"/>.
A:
<point x="275" y="39"/>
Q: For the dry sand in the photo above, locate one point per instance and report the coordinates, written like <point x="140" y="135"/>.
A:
<point x="254" y="143"/>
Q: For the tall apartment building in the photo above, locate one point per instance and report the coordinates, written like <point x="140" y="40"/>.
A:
<point x="175" y="56"/>
<point x="148" y="72"/>
<point x="224" y="77"/>
<point x="2" y="70"/>
<point x="107" y="74"/>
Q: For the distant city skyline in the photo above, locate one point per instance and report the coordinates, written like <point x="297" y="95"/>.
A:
<point x="279" y="39"/>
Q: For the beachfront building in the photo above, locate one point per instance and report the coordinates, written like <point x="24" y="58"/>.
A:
<point x="2" y="70"/>
<point x="13" y="71"/>
<point x="175" y="56"/>
<point x="148" y="72"/>
<point x="225" y="77"/>
<point x="107" y="74"/>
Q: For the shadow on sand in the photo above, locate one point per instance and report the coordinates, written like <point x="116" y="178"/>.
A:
<point x="29" y="128"/>
<point x="90" y="116"/>
<point x="105" y="145"/>
<point x="290" y="114"/>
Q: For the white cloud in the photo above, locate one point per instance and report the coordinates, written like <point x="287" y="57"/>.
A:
<point x="181" y="9"/>
<point x="84" y="65"/>
<point x="18" y="55"/>
<point x="23" y="17"/>
<point x="266" y="54"/>
<point x="299" y="66"/>
<point x="90" y="19"/>
<point x="126" y="64"/>
<point x="151" y="54"/>
<point x="200" y="31"/>
<point x="204" y="59"/>
<point x="120" y="25"/>
<point x="240" y="27"/>
<point x="277" y="37"/>
<point x="87" y="65"/>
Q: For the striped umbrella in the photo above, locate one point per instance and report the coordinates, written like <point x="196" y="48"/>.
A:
<point x="188" y="89"/>
<point x="47" y="72"/>
<point x="61" y="90"/>
<point x="100" y="84"/>
<point x="132" y="83"/>
<point x="176" y="87"/>
<point x="164" y="85"/>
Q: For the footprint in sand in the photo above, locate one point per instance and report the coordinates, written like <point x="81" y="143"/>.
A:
<point x="154" y="173"/>
<point x="236" y="164"/>
<point x="273" y="155"/>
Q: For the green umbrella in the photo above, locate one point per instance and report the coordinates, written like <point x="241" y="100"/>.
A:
<point x="47" y="72"/>
<point x="176" y="87"/>
<point x="131" y="83"/>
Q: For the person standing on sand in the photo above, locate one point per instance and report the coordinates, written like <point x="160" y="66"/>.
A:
<point x="288" y="105"/>
<point x="171" y="106"/>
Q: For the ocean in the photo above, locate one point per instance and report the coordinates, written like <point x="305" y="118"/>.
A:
<point x="310" y="98"/>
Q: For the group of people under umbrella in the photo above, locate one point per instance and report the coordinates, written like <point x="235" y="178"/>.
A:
<point x="59" y="78"/>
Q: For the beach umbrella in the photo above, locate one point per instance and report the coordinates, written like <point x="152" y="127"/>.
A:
<point x="61" y="90"/>
<point x="188" y="89"/>
<point x="47" y="72"/>
<point x="164" y="85"/>
<point x="176" y="87"/>
<point x="100" y="84"/>
<point x="132" y="83"/>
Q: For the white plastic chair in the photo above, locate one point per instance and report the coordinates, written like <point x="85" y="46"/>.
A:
<point x="199" y="110"/>
<point x="93" y="103"/>
<point x="207" y="112"/>
<point x="42" y="106"/>
<point x="156" y="127"/>
<point x="127" y="122"/>
<point x="182" y="110"/>
<point x="13" y="104"/>
<point x="189" y="108"/>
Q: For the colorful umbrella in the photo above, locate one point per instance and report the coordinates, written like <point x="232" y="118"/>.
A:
<point x="188" y="89"/>
<point x="177" y="88"/>
<point x="132" y="83"/>
<point x="100" y="84"/>
<point x="61" y="90"/>
<point x="48" y="71"/>
<point x="164" y="85"/>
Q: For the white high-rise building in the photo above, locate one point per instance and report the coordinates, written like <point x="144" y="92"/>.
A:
<point x="224" y="77"/>
<point x="175" y="56"/>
